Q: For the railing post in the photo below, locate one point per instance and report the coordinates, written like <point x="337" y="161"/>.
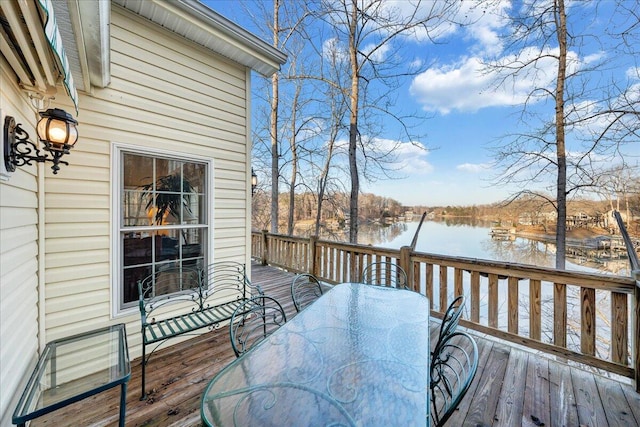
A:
<point x="313" y="268"/>
<point x="635" y="274"/>
<point x="635" y="336"/>
<point x="265" y="250"/>
<point x="405" y="264"/>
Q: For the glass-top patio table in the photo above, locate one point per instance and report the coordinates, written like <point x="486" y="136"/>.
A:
<point x="358" y="356"/>
<point x="74" y="368"/>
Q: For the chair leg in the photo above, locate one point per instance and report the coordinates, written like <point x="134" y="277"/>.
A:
<point x="143" y="365"/>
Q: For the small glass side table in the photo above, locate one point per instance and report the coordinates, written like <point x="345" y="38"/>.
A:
<point x="74" y="368"/>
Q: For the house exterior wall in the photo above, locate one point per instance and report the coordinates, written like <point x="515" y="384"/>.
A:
<point x="166" y="93"/>
<point x="18" y="258"/>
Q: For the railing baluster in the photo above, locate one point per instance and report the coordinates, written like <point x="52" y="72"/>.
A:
<point x="560" y="314"/>
<point x="493" y="300"/>
<point x="535" y="309"/>
<point x="475" y="296"/>
<point x="429" y="283"/>
<point x="457" y="282"/>
<point x="416" y="277"/>
<point x="619" y="328"/>
<point x="514" y="308"/>
<point x="444" y="303"/>
<point x="588" y="321"/>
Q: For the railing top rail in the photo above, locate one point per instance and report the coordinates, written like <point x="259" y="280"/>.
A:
<point x="340" y="245"/>
<point x="622" y="283"/>
<point x="283" y="236"/>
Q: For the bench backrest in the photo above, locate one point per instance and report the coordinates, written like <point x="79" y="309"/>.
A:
<point x="201" y="288"/>
<point x="169" y="286"/>
<point x="225" y="279"/>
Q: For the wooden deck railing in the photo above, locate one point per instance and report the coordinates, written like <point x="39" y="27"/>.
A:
<point x="587" y="318"/>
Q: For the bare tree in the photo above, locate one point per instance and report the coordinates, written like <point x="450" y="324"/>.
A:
<point x="283" y="23"/>
<point x="367" y="30"/>
<point x="275" y="167"/>
<point x="541" y="33"/>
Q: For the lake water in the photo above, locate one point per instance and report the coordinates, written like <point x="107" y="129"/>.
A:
<point x="472" y="239"/>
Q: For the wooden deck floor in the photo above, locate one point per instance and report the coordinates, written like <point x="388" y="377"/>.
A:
<point x="512" y="387"/>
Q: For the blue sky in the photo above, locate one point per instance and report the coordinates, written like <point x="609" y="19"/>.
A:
<point x="467" y="112"/>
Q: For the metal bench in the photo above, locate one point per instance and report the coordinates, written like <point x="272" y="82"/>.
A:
<point x="180" y="300"/>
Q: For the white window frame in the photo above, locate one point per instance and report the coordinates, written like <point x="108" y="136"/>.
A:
<point x="117" y="149"/>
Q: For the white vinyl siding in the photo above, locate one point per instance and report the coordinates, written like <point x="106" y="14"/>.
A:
<point x="165" y="94"/>
<point x="18" y="259"/>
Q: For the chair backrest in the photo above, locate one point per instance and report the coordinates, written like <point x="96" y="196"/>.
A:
<point x="253" y="321"/>
<point x="452" y="370"/>
<point x="451" y="319"/>
<point x="385" y="273"/>
<point x="305" y="289"/>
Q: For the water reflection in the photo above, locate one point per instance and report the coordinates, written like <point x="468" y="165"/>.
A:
<point x="470" y="238"/>
<point x="369" y="234"/>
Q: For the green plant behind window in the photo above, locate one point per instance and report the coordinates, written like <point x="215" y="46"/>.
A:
<point x="172" y="196"/>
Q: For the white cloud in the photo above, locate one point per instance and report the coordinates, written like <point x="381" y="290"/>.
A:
<point x="471" y="85"/>
<point x="463" y="87"/>
<point x="443" y="20"/>
<point x="410" y="158"/>
<point x="413" y="159"/>
<point x="486" y="26"/>
<point x="332" y="48"/>
<point x="380" y="53"/>
<point x="633" y="73"/>
<point x="474" y="167"/>
<point x="594" y="57"/>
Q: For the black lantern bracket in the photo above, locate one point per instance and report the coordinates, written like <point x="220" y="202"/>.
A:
<point x="254" y="182"/>
<point x="19" y="150"/>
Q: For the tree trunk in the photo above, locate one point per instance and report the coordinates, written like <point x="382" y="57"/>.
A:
<point x="353" y="126"/>
<point x="294" y="163"/>
<point x="561" y="228"/>
<point x="321" y="189"/>
<point x="274" y="128"/>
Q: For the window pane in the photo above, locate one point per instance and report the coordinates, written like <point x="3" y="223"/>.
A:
<point x="194" y="210"/>
<point x="138" y="171"/>
<point x="194" y="173"/>
<point x="161" y="196"/>
<point x="146" y="248"/>
<point x="171" y="201"/>
<point x="134" y="209"/>
<point x="136" y="249"/>
<point x="130" y="279"/>
<point x="192" y="248"/>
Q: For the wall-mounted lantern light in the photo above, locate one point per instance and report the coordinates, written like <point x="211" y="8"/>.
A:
<point x="254" y="182"/>
<point x="57" y="130"/>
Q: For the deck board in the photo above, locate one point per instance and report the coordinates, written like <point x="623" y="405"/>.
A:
<point x="511" y="402"/>
<point x="564" y="411"/>
<point x="511" y="385"/>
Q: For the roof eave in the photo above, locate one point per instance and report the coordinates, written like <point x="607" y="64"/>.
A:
<point x="208" y="28"/>
<point x="90" y="20"/>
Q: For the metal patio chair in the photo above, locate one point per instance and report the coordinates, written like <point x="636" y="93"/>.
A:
<point x="253" y="321"/>
<point x="305" y="289"/>
<point x="450" y="320"/>
<point x="453" y="367"/>
<point x="385" y="273"/>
